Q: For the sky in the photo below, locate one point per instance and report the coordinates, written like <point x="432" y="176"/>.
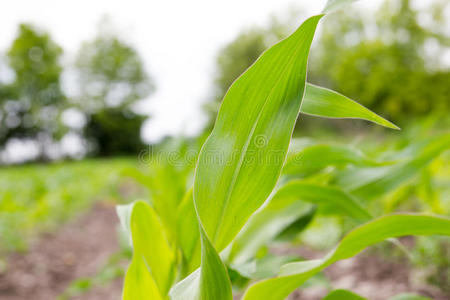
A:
<point x="178" y="41"/>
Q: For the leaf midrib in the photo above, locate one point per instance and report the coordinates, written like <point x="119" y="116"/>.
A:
<point x="247" y="143"/>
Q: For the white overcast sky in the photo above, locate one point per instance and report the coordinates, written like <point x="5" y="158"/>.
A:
<point x="178" y="41"/>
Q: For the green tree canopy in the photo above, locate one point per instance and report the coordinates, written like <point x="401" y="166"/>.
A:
<point x="112" y="79"/>
<point x="31" y="104"/>
<point x="385" y="67"/>
<point x="111" y="74"/>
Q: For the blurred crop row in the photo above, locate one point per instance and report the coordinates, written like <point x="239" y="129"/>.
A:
<point x="38" y="198"/>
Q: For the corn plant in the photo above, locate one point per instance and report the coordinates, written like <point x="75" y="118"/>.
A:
<point x="246" y="193"/>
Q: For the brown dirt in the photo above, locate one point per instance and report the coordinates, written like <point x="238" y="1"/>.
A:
<point x="370" y="276"/>
<point x="76" y="250"/>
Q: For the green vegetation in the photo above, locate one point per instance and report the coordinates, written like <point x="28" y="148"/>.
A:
<point x="246" y="194"/>
<point x="106" y="82"/>
<point x="386" y="67"/>
<point x="32" y="102"/>
<point x="112" y="79"/>
<point x="344" y="294"/>
<point x="389" y="70"/>
<point x="216" y="206"/>
<point x="36" y="198"/>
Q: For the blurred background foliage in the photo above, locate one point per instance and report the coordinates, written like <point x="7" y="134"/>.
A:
<point x="31" y="103"/>
<point x="38" y="198"/>
<point x="108" y="79"/>
<point x="393" y="68"/>
<point x="111" y="79"/>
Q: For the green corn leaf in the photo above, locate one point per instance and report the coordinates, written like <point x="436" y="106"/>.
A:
<point x="139" y="283"/>
<point x="299" y="144"/>
<point x="188" y="288"/>
<point x="287" y="205"/>
<point x="290" y="233"/>
<point x="214" y="280"/>
<point x="324" y="195"/>
<point x="264" y="267"/>
<point x="167" y="188"/>
<point x="295" y="274"/>
<point x="373" y="182"/>
<point x="264" y="226"/>
<point x="241" y="160"/>
<point x="343" y="295"/>
<point x="323" y="102"/>
<point x="409" y="296"/>
<point x="314" y="158"/>
<point x="151" y="252"/>
<point x="211" y="281"/>
<point x="188" y="234"/>
<point x="124" y="214"/>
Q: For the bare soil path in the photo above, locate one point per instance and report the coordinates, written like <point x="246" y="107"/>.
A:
<point x="77" y="249"/>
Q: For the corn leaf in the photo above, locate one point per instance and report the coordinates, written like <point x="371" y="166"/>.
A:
<point x="263" y="267"/>
<point x="211" y="281"/>
<point x="290" y="232"/>
<point x="188" y="234"/>
<point x="343" y="294"/>
<point x="124" y="214"/>
<point x="295" y="274"/>
<point x="372" y="182"/>
<point x="324" y="195"/>
<point x="264" y="226"/>
<point x="151" y="254"/>
<point x="188" y="288"/>
<point x="323" y="102"/>
<point x="408" y="296"/>
<point x="214" y="280"/>
<point x="241" y="160"/>
<point x="139" y="283"/>
<point x="167" y="187"/>
<point x="314" y="158"/>
<point x="287" y="205"/>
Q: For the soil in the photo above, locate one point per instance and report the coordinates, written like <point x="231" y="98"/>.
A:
<point x="368" y="275"/>
<point x="81" y="248"/>
<point x="78" y="249"/>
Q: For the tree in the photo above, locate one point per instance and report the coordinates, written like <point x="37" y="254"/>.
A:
<point x="114" y="131"/>
<point x="31" y="104"/>
<point x="385" y="68"/>
<point x="235" y="57"/>
<point x="112" y="79"/>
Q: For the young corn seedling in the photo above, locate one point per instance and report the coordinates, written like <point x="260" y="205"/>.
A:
<point x="221" y="222"/>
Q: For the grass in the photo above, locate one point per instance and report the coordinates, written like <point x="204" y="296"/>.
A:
<point x="37" y="198"/>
